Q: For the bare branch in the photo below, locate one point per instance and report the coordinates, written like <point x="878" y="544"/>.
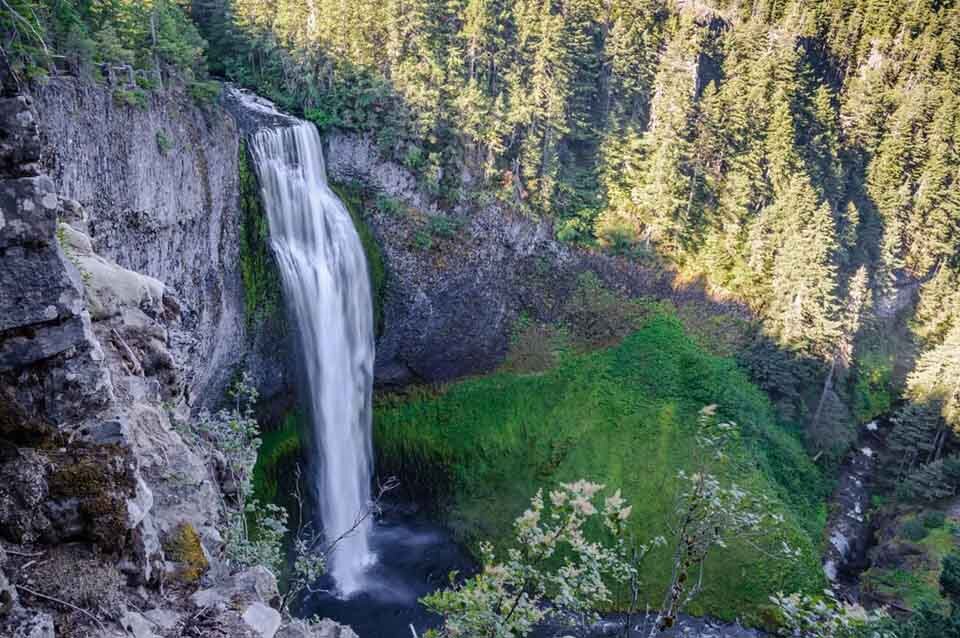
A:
<point x="64" y="603"/>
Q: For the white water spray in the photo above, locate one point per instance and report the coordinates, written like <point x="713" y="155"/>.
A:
<point x="328" y="291"/>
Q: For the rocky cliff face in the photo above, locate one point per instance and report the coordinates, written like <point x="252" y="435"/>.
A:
<point x="158" y="185"/>
<point x="452" y="296"/>
<point x="97" y="359"/>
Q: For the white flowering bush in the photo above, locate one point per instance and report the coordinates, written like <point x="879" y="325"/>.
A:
<point x="824" y="616"/>
<point x="572" y="547"/>
<point x="555" y="568"/>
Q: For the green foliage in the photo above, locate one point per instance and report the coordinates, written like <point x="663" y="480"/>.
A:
<point x="774" y="170"/>
<point x="163" y="142"/>
<point x="135" y="98"/>
<point x="230" y="438"/>
<point x="205" y="92"/>
<point x="390" y="205"/>
<point x="873" y="391"/>
<point x="950" y="577"/>
<point x="934" y="519"/>
<point x="261" y="279"/>
<point x="914" y="463"/>
<point x="535" y="347"/>
<point x="443" y="226"/>
<point x="279" y="450"/>
<point x="598" y="317"/>
<point x="914" y="530"/>
<point x="147" y="34"/>
<point x="616" y="416"/>
<point x="823" y="616"/>
<point x="915" y="584"/>
<point x="422" y="240"/>
<point x="508" y="598"/>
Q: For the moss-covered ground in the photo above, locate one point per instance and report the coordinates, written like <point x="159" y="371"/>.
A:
<point x="623" y="416"/>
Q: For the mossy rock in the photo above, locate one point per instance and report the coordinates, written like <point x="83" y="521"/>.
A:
<point x="101" y="478"/>
<point x="184" y="547"/>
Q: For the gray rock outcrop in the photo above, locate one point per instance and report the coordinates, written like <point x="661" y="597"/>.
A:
<point x="93" y="476"/>
<point x="160" y="194"/>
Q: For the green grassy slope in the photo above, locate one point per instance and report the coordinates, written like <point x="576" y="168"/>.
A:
<point x="624" y="417"/>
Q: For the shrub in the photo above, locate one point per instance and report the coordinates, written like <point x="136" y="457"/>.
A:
<point x="205" y="92"/>
<point x="535" y="347"/>
<point x="950" y="576"/>
<point x="389" y="205"/>
<point x="163" y="143"/>
<point x="598" y="316"/>
<point x="873" y="391"/>
<point x="413" y="158"/>
<point x="136" y="98"/>
<point x="324" y="119"/>
<point x="914" y="530"/>
<point x="573" y="230"/>
<point x="422" y="240"/>
<point x="442" y="226"/>
<point x="934" y="520"/>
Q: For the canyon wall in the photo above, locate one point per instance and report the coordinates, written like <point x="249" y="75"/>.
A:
<point x="159" y="184"/>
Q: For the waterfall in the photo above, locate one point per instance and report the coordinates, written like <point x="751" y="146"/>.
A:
<point x="327" y="289"/>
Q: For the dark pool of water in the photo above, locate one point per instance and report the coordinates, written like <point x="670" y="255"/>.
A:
<point x="415" y="557"/>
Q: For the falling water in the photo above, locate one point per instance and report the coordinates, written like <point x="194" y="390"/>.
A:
<point x="328" y="291"/>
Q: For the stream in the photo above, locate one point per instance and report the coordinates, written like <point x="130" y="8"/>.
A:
<point x="849" y="532"/>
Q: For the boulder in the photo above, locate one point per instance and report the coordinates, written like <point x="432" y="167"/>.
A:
<point x="242" y="589"/>
<point x="325" y="628"/>
<point x="137" y="626"/>
<point x="265" y="621"/>
<point x="110" y="288"/>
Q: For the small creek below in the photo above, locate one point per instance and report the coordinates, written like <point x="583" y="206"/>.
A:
<point x="414" y="557"/>
<point x="849" y="530"/>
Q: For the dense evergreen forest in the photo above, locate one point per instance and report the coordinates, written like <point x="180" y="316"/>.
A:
<point x="800" y="157"/>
